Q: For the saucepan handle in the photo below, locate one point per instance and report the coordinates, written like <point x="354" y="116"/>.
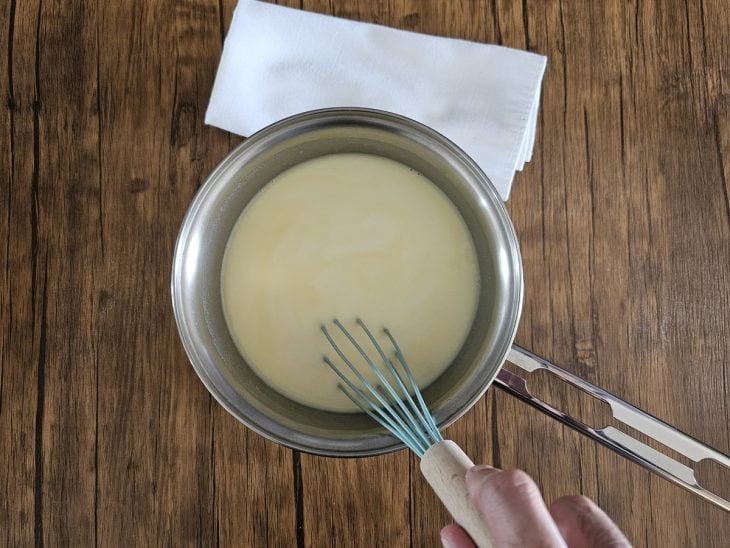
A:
<point x="621" y="442"/>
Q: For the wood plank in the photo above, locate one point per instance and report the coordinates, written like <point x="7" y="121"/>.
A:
<point x="21" y="298"/>
<point x="69" y="235"/>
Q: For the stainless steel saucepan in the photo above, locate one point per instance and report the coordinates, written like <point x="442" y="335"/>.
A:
<point x="198" y="310"/>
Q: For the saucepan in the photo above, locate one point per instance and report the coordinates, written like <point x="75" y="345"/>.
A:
<point x="196" y="297"/>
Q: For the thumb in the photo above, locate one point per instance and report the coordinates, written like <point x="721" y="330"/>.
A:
<point x="512" y="508"/>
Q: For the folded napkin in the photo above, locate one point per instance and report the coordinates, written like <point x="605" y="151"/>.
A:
<point x="279" y="61"/>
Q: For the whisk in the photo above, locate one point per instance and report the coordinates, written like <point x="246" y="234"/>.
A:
<point x="397" y="405"/>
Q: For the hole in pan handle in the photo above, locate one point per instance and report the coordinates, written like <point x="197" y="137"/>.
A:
<point x="621" y="442"/>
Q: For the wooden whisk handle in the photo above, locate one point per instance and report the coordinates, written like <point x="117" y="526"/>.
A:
<point x="444" y="466"/>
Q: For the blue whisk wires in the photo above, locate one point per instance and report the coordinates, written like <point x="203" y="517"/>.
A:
<point x="390" y="402"/>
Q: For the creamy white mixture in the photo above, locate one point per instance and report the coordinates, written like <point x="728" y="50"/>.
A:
<point x="347" y="236"/>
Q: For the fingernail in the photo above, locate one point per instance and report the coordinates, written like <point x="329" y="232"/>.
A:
<point x="476" y="476"/>
<point x="480" y="471"/>
<point x="480" y="468"/>
<point x="447" y="542"/>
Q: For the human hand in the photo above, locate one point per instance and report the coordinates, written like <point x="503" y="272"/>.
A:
<point x="516" y="515"/>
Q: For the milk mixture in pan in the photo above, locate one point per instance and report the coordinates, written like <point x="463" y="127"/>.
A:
<point x="347" y="236"/>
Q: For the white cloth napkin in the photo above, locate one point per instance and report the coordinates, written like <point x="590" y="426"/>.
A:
<point x="279" y="61"/>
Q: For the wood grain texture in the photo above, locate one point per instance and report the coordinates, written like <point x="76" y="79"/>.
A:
<point x="108" y="438"/>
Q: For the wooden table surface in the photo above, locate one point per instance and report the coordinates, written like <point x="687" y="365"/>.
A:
<point x="107" y="436"/>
